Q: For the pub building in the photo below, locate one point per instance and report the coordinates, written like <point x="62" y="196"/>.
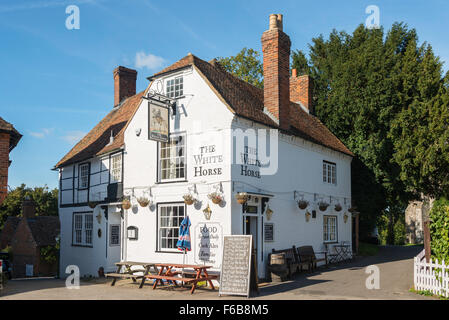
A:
<point x="200" y="142"/>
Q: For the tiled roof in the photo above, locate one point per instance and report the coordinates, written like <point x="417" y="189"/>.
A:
<point x="243" y="99"/>
<point x="247" y="101"/>
<point x="15" y="136"/>
<point x="44" y="229"/>
<point x="97" y="141"/>
<point x="9" y="228"/>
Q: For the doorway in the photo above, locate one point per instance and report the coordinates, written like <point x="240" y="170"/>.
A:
<point x="252" y="222"/>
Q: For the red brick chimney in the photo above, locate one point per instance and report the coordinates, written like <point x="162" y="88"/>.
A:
<point x="124" y="84"/>
<point x="28" y="208"/>
<point x="301" y="90"/>
<point x="276" y="69"/>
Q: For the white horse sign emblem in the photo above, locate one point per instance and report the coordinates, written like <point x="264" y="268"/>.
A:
<point x="158" y="124"/>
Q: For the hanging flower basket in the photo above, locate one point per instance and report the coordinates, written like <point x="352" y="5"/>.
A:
<point x="352" y="209"/>
<point x="323" y="205"/>
<point x="302" y="204"/>
<point x="93" y="204"/>
<point x="215" y="197"/>
<point x="241" y="197"/>
<point x="126" y="204"/>
<point x="189" y="199"/>
<point x="143" y="201"/>
<point x="338" y="207"/>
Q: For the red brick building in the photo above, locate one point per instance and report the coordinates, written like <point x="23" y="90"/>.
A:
<point x="9" y="137"/>
<point x="27" y="236"/>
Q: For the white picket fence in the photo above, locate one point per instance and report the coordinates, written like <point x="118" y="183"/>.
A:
<point x="425" y="276"/>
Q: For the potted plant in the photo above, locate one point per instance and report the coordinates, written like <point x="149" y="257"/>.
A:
<point x="323" y="205"/>
<point x="189" y="199"/>
<point x="126" y="204"/>
<point x="241" y="197"/>
<point x="143" y="201"/>
<point x="338" y="207"/>
<point x="302" y="204"/>
<point x="216" y="197"/>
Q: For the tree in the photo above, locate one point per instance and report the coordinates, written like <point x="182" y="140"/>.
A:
<point x="246" y="65"/>
<point x="300" y="63"/>
<point x="46" y="202"/>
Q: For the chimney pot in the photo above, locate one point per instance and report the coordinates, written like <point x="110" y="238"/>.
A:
<point x="294" y="73"/>
<point x="124" y="83"/>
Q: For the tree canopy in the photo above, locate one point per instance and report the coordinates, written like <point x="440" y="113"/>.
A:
<point x="46" y="202"/>
<point x="246" y="65"/>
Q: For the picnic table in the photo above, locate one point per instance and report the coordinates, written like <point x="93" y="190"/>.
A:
<point x="130" y="273"/>
<point x="166" y="272"/>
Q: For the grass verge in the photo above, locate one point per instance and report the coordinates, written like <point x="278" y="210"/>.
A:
<point x="368" y="249"/>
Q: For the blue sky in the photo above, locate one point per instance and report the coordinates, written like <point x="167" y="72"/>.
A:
<point x="56" y="84"/>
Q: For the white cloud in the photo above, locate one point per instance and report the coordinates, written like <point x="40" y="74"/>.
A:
<point x="41" y="134"/>
<point x="148" y="61"/>
<point x="73" y="137"/>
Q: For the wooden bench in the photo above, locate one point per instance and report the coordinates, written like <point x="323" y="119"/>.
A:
<point x="307" y="254"/>
<point x="130" y="273"/>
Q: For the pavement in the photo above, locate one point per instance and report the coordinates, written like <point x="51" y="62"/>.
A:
<point x="344" y="281"/>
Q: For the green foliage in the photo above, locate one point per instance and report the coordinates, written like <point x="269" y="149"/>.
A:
<point x="8" y="249"/>
<point x="46" y="202"/>
<point x="50" y="253"/>
<point x="246" y="65"/>
<point x="439" y="230"/>
<point x="300" y="63"/>
<point x="367" y="249"/>
<point x="382" y="95"/>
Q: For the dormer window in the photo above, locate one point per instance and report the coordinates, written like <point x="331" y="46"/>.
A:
<point x="175" y="87"/>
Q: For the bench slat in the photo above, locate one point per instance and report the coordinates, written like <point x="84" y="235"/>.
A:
<point x="122" y="275"/>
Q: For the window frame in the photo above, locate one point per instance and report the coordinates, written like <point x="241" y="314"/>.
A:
<point x="159" y="247"/>
<point x="329" y="171"/>
<point x="88" y="175"/>
<point x="171" y="82"/>
<point x="83" y="230"/>
<point x="160" y="159"/>
<point x="327" y="217"/>
<point x="110" y="235"/>
<point x="111" y="164"/>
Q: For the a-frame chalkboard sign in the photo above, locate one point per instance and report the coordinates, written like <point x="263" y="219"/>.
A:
<point x="238" y="268"/>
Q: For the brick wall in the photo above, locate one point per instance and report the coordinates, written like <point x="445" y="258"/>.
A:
<point x="276" y="68"/>
<point x="301" y="90"/>
<point x="124" y="83"/>
<point x="4" y="164"/>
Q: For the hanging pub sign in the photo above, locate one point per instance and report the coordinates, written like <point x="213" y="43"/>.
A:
<point x="158" y="123"/>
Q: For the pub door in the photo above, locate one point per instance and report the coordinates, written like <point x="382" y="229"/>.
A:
<point x="252" y="226"/>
